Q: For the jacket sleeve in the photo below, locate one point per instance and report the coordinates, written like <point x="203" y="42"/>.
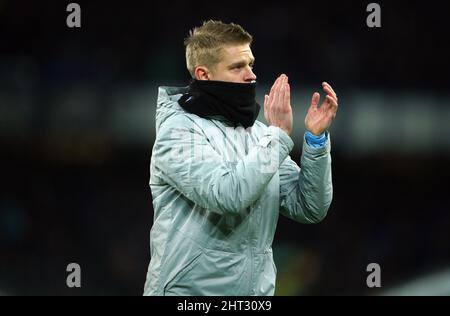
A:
<point x="187" y="161"/>
<point x="306" y="193"/>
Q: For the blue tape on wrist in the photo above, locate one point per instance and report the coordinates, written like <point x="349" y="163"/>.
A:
<point x="315" y="141"/>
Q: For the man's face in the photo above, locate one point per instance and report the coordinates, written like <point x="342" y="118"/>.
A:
<point x="235" y="66"/>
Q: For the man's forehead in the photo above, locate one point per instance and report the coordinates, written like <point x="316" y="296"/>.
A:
<point x="238" y="52"/>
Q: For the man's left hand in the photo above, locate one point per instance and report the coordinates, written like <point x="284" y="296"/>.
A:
<point x="319" y="119"/>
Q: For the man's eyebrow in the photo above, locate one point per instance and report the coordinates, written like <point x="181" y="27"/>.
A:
<point x="242" y="63"/>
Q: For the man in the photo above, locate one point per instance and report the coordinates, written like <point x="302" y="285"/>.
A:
<point x="219" y="177"/>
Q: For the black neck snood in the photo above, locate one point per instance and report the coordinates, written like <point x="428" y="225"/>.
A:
<point x="234" y="101"/>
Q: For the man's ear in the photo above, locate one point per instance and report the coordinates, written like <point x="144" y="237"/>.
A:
<point x="201" y="73"/>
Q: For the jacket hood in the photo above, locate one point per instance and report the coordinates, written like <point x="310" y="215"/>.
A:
<point x="167" y="104"/>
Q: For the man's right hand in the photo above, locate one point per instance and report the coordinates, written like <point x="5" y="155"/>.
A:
<point x="277" y="105"/>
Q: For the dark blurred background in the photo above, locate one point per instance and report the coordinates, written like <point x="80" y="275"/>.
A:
<point x="77" y="127"/>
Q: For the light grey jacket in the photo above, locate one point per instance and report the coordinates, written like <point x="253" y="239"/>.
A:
<point x="217" y="192"/>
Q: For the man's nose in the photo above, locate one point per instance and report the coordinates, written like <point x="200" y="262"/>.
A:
<point x="250" y="75"/>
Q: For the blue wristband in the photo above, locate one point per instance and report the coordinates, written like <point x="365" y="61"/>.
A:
<point x="315" y="141"/>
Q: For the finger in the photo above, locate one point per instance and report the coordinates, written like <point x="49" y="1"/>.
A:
<point x="331" y="100"/>
<point x="287" y="97"/>
<point x="271" y="106"/>
<point x="315" y="100"/>
<point x="266" y="107"/>
<point x="281" y="93"/>
<point x="272" y="92"/>
<point x="329" y="91"/>
<point x="327" y="103"/>
<point x="280" y="82"/>
<point x="334" y="107"/>
<point x="331" y="104"/>
<point x="275" y="84"/>
<point x="326" y="84"/>
<point x="273" y="98"/>
<point x="331" y="114"/>
<point x="266" y="103"/>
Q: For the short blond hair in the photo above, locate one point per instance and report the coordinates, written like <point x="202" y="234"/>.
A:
<point x="204" y="43"/>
